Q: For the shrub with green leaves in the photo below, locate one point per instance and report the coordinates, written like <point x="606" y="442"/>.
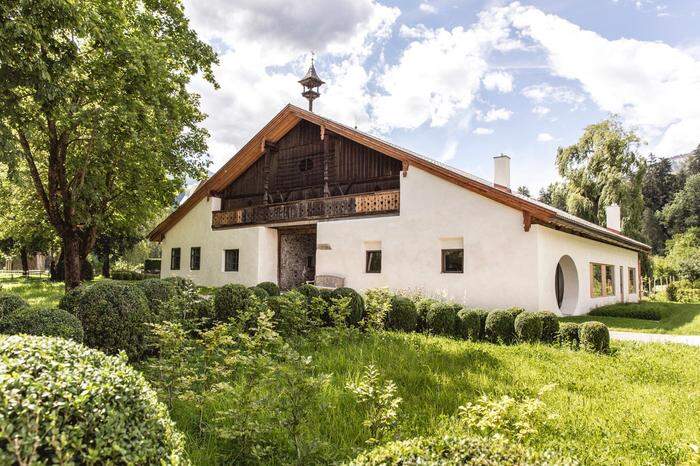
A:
<point x="259" y="292"/>
<point x="182" y="284"/>
<point x="594" y="337"/>
<point x="126" y="275"/>
<point x="115" y="317"/>
<point x="628" y="311"/>
<point x="310" y="291"/>
<point x="271" y="288"/>
<point x="62" y="403"/>
<point x="528" y="327"/>
<point x="483" y="313"/>
<point x="42" y="321"/>
<point x="550" y="326"/>
<point x="69" y="301"/>
<point x="230" y="301"/>
<point x="378" y="303"/>
<point x="402" y="315"/>
<point x="442" y="318"/>
<point x="468" y="324"/>
<point x="290" y="313"/>
<point x="357" y="304"/>
<point x="568" y="334"/>
<point x="10" y="302"/>
<point x="515" y="311"/>
<point x="158" y="293"/>
<point x="500" y="326"/>
<point x="422" y="307"/>
<point x="688" y="295"/>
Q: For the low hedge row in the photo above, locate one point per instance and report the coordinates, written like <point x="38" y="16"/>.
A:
<point x="128" y="275"/>
<point x="622" y="310"/>
<point x="42" y="321"/>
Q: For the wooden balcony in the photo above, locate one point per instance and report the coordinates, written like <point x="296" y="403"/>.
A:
<point x="353" y="205"/>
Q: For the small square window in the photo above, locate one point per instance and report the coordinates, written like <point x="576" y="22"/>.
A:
<point x="231" y="260"/>
<point x="195" y="258"/>
<point x="373" y="262"/>
<point x="175" y="259"/>
<point x="453" y="261"/>
<point x="632" y="282"/>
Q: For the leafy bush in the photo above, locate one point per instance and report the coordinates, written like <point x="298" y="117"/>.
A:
<point x="625" y="310"/>
<point x="69" y="301"/>
<point x="230" y="301"/>
<point x="422" y="307"/>
<point x="688" y="295"/>
<point x="202" y="310"/>
<point x="128" y="275"/>
<point x="182" y="284"/>
<point x="483" y="313"/>
<point x="441" y="318"/>
<point x="357" y="304"/>
<point x="550" y="326"/>
<point x="402" y="315"/>
<point x="568" y="334"/>
<point x="449" y="450"/>
<point x="528" y="327"/>
<point x="468" y="324"/>
<point x="379" y="401"/>
<point x="62" y="403"/>
<point x="49" y="322"/>
<point x="378" y="303"/>
<point x="500" y="326"/>
<point x="594" y="336"/>
<point x="290" y="313"/>
<point x="259" y="292"/>
<point x="114" y="318"/>
<point x="309" y="291"/>
<point x="9" y="303"/>
<point x="158" y="293"/>
<point x="271" y="288"/>
<point x="515" y="311"/>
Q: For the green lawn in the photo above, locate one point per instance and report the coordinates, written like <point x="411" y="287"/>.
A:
<point x="676" y="318"/>
<point x="37" y="291"/>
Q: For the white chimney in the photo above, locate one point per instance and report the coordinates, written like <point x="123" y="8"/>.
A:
<point x="501" y="172"/>
<point x="612" y="217"/>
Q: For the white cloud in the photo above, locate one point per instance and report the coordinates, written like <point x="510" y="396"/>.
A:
<point x="495" y="114"/>
<point x="547" y="93"/>
<point x="449" y="151"/>
<point x="427" y="8"/>
<point x="540" y="110"/>
<point x="544" y="137"/>
<point x="482" y="131"/>
<point x="498" y="80"/>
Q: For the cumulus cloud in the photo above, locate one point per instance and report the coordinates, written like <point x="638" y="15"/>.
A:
<point x="498" y="80"/>
<point x="540" y="110"/>
<point x="547" y="93"/>
<point x="427" y="8"/>
<point x="544" y="137"/>
<point x="482" y="131"/>
<point x="495" y="114"/>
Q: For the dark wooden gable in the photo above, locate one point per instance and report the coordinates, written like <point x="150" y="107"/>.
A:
<point x="296" y="170"/>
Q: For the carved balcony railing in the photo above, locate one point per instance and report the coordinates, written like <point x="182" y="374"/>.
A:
<point x="382" y="202"/>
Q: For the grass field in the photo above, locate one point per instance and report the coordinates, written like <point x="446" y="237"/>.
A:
<point x="37" y="291"/>
<point x="676" y="318"/>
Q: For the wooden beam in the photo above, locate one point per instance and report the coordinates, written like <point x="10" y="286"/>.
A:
<point x="404" y="167"/>
<point x="326" y="157"/>
<point x="266" y="176"/>
<point x="323" y="132"/>
<point x="527" y="220"/>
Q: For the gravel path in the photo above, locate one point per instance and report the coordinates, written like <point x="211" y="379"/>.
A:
<point x="693" y="340"/>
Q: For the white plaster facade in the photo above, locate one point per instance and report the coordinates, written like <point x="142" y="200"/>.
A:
<point x="504" y="265"/>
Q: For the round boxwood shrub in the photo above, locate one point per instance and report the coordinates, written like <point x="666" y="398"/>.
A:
<point x="42" y="321"/>
<point x="158" y="293"/>
<point x="309" y="291"/>
<point x="568" y="334"/>
<point x="202" y="309"/>
<point x="500" y="326"/>
<point x="69" y="301"/>
<point x="528" y="327"/>
<point x="483" y="313"/>
<point x="594" y="336"/>
<point x="468" y="324"/>
<point x="115" y="317"/>
<point x="402" y="315"/>
<point x="441" y="319"/>
<point x="73" y="405"/>
<point x="10" y="302"/>
<point x="259" y="292"/>
<point x="515" y="311"/>
<point x="271" y="288"/>
<point x="450" y="450"/>
<point x="550" y="326"/>
<point x="422" y="308"/>
<point x="357" y="304"/>
<point x="230" y="301"/>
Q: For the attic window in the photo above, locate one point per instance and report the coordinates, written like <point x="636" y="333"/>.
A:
<point x="305" y="165"/>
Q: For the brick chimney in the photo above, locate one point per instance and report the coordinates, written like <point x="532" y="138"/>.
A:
<point x="501" y="172"/>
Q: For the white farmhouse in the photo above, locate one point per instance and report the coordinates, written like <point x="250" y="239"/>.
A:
<point x="311" y="200"/>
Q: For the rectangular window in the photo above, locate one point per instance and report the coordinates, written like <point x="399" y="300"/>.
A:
<point x="373" y="262"/>
<point x="195" y="258"/>
<point x="632" y="281"/>
<point x="231" y="260"/>
<point x="175" y="259"/>
<point x="453" y="261"/>
<point x="602" y="280"/>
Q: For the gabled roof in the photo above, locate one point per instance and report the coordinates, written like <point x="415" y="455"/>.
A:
<point x="285" y="120"/>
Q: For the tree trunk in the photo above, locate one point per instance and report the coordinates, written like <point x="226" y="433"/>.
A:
<point x="56" y="268"/>
<point x="25" y="261"/>
<point x="105" y="258"/>
<point x="71" y="262"/>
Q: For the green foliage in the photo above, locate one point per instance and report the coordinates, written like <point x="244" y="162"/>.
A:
<point x="568" y="334"/>
<point x="152" y="265"/>
<point x="402" y="315"/>
<point x="515" y="311"/>
<point x="259" y="292"/>
<point x="182" y="284"/>
<point x="310" y="291"/>
<point x="230" y="300"/>
<point x="42" y="321"/>
<point x="271" y="288"/>
<point x="379" y="402"/>
<point x="291" y="315"/>
<point x="69" y="301"/>
<point x="357" y="304"/>
<point x="594" y="337"/>
<point x="158" y="293"/>
<point x="468" y="324"/>
<point x="528" y="327"/>
<point x="126" y="275"/>
<point x="683" y="212"/>
<point x="422" y="308"/>
<point x="441" y="318"/>
<point x="550" y="326"/>
<point x="688" y="295"/>
<point x="500" y="326"/>
<point x="683" y="255"/>
<point x="62" y="403"/>
<point x="378" y="303"/>
<point x="10" y="303"/>
<point x="626" y="310"/>
<point x="115" y="318"/>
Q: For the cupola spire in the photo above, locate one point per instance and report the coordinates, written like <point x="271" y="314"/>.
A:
<point x="311" y="84"/>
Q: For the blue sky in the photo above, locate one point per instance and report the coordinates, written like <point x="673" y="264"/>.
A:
<point x="459" y="81"/>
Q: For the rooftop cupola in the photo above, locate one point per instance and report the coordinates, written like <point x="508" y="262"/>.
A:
<point x="311" y="83"/>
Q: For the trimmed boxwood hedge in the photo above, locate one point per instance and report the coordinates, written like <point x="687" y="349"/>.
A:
<point x="271" y="288"/>
<point x="42" y="321"/>
<point x="158" y="292"/>
<point x="259" y="292"/>
<point x="568" y="334"/>
<point x="230" y="301"/>
<point x="625" y="310"/>
<point x="10" y="302"/>
<point x="550" y="326"/>
<point x="483" y="313"/>
<point x="357" y="304"/>
<point x="96" y="408"/>
<point x="515" y="311"/>
<point x="310" y="291"/>
<point x="115" y="317"/>
<point x="69" y="301"/>
<point x="126" y="275"/>
<point x="500" y="326"/>
<point x="594" y="336"/>
<point x="528" y="327"/>
<point x="442" y="318"/>
<point x="422" y="308"/>
<point x="402" y="315"/>
<point x="468" y="324"/>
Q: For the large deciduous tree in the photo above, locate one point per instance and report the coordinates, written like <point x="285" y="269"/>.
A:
<point x="94" y="104"/>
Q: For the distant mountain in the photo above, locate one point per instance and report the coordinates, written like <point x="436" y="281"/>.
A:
<point x="677" y="161"/>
